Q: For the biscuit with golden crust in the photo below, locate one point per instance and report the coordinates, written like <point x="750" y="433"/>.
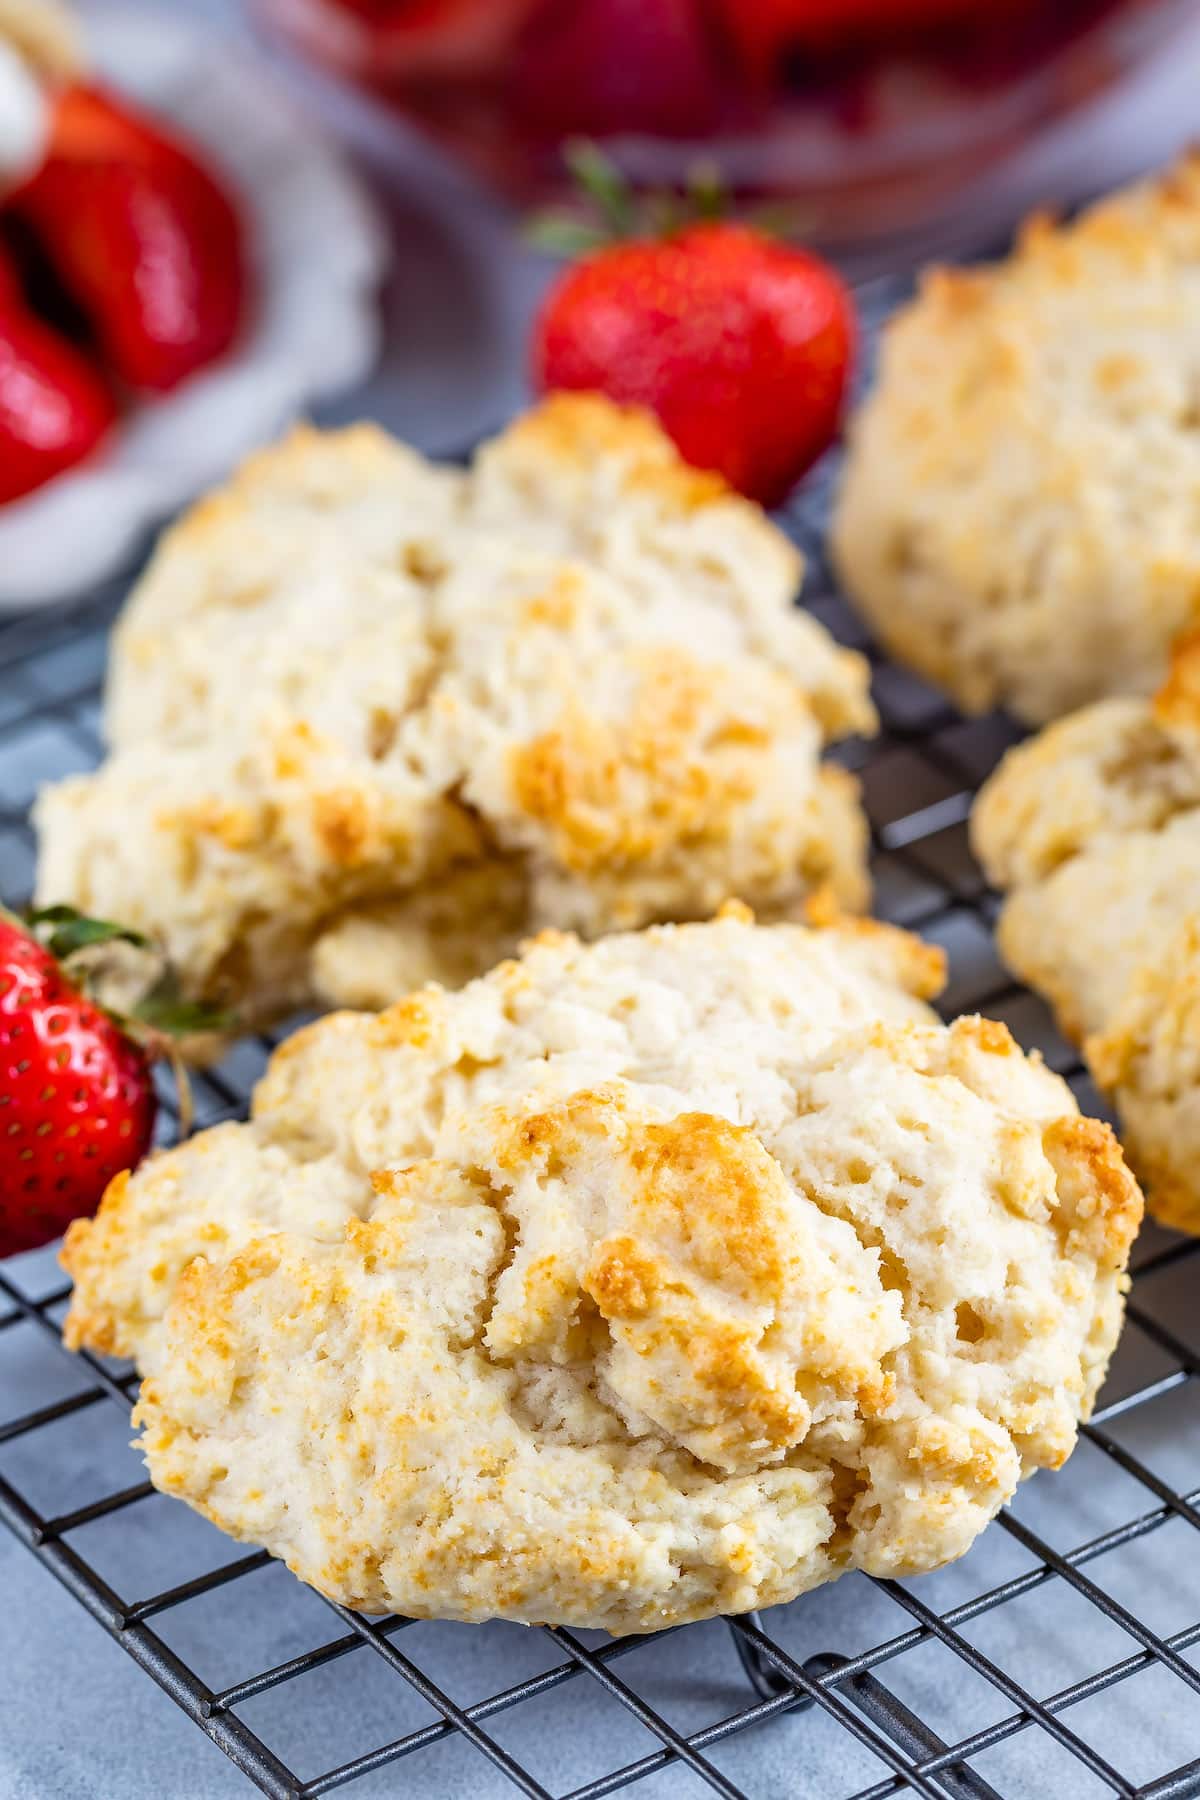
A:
<point x="669" y="1275"/>
<point x="373" y="720"/>
<point x="1016" y="518"/>
<point x="1093" y="828"/>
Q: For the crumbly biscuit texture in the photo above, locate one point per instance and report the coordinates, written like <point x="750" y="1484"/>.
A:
<point x="1017" y="518"/>
<point x="668" y="1275"/>
<point x="353" y="688"/>
<point x="1094" y="828"/>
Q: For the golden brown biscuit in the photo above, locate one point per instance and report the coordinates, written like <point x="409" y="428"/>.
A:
<point x="1094" y="830"/>
<point x="669" y="1275"/>
<point x="1017" y="517"/>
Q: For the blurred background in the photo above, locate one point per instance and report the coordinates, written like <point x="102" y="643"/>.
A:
<point x="892" y="129"/>
<point x="347" y="231"/>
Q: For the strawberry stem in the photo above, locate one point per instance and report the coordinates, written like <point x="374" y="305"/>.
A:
<point x="63" y="930"/>
<point x="160" y="1008"/>
<point x="706" y="191"/>
<point x="185" y="1105"/>
<point x="167" y="1011"/>
<point x="614" y="211"/>
<point x="602" y="181"/>
<point x="563" y="233"/>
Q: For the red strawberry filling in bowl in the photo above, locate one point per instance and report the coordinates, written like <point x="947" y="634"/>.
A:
<point x="881" y="116"/>
<point x="741" y="345"/>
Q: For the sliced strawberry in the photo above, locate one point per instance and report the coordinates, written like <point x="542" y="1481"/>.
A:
<point x="54" y="406"/>
<point x="141" y="236"/>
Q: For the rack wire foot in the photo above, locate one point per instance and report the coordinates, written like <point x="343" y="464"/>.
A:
<point x="874" y="1700"/>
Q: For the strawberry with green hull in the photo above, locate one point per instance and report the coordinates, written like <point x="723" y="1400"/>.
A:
<point x="77" y="1101"/>
<point x="425" y="41"/>
<point x="741" y="344"/>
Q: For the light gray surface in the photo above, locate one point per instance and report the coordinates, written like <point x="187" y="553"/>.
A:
<point x="79" y="1721"/>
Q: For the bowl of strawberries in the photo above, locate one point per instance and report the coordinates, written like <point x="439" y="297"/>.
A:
<point x="880" y="120"/>
<point x="160" y="310"/>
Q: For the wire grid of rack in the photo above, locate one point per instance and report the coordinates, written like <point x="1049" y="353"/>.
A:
<point x="1090" y="1678"/>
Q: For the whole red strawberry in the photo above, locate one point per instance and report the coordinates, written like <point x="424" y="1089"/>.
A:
<point x="76" y="1099"/>
<point x="54" y="406"/>
<point x="141" y="236"/>
<point x="740" y="344"/>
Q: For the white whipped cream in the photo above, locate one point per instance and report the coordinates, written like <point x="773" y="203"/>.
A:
<point x="24" y="119"/>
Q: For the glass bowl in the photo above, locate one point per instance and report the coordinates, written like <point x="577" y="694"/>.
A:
<point x="890" y="127"/>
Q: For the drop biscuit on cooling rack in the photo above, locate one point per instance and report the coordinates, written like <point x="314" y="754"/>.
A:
<point x="1017" y="517"/>
<point x="633" y="1282"/>
<point x="1093" y="828"/>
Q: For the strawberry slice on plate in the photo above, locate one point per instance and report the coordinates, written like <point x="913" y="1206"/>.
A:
<point x="54" y="405"/>
<point x="141" y="236"/>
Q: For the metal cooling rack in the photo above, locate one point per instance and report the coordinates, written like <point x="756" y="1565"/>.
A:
<point x="1051" y="1660"/>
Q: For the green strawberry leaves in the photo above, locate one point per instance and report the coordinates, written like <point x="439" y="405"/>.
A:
<point x="611" y="210"/>
<point x="64" y="930"/>
<point x="161" y="1009"/>
<point x="165" y="1008"/>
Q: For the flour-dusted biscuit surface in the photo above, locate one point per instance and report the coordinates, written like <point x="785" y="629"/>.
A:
<point x="372" y="720"/>
<point x="1093" y="827"/>
<point x="1017" y="517"/>
<point x="635" y="1281"/>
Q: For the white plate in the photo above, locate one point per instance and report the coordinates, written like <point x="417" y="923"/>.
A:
<point x="317" y="251"/>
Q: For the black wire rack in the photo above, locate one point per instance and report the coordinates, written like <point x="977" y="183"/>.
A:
<point x="1054" y="1659"/>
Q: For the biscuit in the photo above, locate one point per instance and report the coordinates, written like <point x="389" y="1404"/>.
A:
<point x="634" y="1282"/>
<point x="1016" y="516"/>
<point x="373" y="720"/>
<point x="1093" y="828"/>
